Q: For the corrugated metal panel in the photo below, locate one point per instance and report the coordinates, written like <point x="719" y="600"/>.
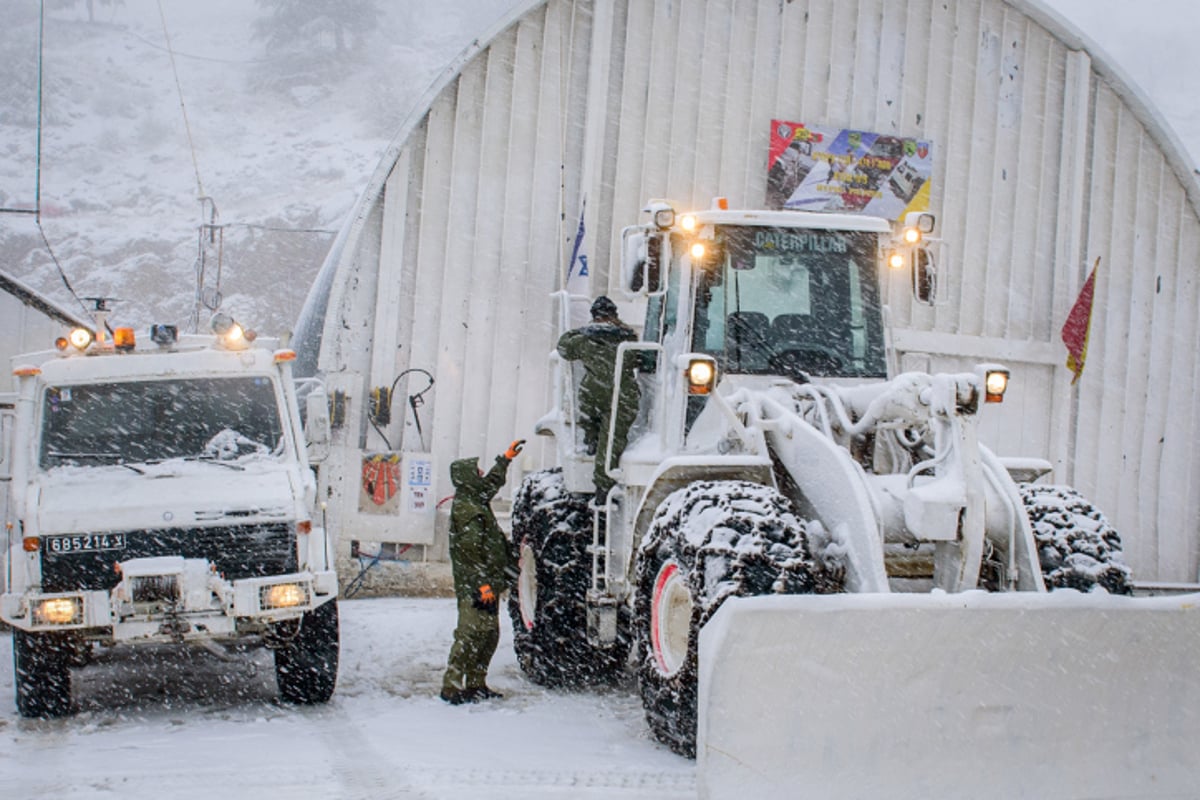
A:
<point x="1044" y="160"/>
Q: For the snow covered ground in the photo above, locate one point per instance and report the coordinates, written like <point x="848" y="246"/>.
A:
<point x="208" y="728"/>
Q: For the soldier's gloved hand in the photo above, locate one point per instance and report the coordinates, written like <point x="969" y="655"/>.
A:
<point x="485" y="600"/>
<point x="514" y="449"/>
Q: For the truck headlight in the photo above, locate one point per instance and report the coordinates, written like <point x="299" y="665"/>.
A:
<point x="282" y="595"/>
<point x="58" y="611"/>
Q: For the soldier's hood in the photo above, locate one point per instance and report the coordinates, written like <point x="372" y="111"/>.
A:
<point x="464" y="473"/>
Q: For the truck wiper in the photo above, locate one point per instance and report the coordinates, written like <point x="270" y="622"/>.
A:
<point x="215" y="460"/>
<point x="114" y="457"/>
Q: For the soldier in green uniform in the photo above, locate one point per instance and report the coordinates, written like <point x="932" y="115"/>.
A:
<point x="483" y="565"/>
<point x="595" y="346"/>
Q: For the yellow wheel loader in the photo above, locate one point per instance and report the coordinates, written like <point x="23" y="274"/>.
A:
<point x="825" y="583"/>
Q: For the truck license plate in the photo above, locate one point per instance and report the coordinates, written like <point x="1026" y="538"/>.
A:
<point x="85" y="543"/>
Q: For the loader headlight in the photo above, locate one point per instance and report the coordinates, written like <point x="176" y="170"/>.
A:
<point x="697" y="251"/>
<point x="664" y="218"/>
<point x="283" y="595"/>
<point x="896" y="260"/>
<point x="688" y="222"/>
<point x="995" y="381"/>
<point x="701" y="376"/>
<point x="912" y="235"/>
<point x="58" y="611"/>
<point x="995" y="384"/>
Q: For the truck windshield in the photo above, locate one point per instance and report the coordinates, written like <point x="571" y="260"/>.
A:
<point x="792" y="302"/>
<point x="143" y="421"/>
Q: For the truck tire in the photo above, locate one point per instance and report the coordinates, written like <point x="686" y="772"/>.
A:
<point x="1077" y="547"/>
<point x="707" y="542"/>
<point x="306" y="659"/>
<point x="552" y="533"/>
<point x="42" y="673"/>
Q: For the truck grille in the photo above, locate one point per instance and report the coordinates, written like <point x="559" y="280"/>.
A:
<point x="238" y="551"/>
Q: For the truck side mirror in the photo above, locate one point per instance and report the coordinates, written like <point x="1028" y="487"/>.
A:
<point x="924" y="276"/>
<point x="317" y="430"/>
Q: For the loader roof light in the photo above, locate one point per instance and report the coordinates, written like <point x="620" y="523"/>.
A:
<point x="701" y="376"/>
<point x="58" y="611"/>
<point x="124" y="340"/>
<point x="923" y="221"/>
<point x="995" y="384"/>
<point x="688" y="222"/>
<point x="662" y="213"/>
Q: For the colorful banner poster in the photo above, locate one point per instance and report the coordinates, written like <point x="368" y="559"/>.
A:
<point x="822" y="168"/>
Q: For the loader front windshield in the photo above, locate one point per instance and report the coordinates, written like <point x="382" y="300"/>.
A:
<point x="136" y="422"/>
<point x="791" y="302"/>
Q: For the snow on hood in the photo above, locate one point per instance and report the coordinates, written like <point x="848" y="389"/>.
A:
<point x="174" y="493"/>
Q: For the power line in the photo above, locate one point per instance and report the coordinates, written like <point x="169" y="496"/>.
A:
<point x="179" y="88"/>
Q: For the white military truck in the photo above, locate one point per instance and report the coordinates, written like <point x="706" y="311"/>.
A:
<point x="160" y="491"/>
<point x="779" y="452"/>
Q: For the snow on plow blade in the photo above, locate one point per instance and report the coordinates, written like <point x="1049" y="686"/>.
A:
<point x="1019" y="695"/>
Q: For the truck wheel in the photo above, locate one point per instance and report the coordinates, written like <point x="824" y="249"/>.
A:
<point x="1077" y="547"/>
<point x="552" y="531"/>
<point x="306" y="663"/>
<point x="707" y="542"/>
<point x="42" y="673"/>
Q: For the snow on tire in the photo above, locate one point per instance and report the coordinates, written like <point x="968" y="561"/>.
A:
<point x="707" y="542"/>
<point x="552" y="533"/>
<point x="1077" y="547"/>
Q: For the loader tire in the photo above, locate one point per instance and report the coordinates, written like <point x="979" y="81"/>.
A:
<point x="306" y="662"/>
<point x="707" y="542"/>
<point x="1077" y="547"/>
<point x="42" y="673"/>
<point x="552" y="531"/>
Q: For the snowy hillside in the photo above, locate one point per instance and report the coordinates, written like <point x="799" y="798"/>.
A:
<point x="282" y="137"/>
<point x="277" y="141"/>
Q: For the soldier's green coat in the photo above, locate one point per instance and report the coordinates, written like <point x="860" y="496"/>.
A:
<point x="595" y="346"/>
<point x="479" y="552"/>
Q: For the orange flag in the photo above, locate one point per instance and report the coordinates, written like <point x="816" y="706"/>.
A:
<point x="1079" y="322"/>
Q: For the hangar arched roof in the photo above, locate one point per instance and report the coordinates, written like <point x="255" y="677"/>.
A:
<point x="1045" y="158"/>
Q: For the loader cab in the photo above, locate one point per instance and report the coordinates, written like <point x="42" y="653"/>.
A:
<point x="773" y="300"/>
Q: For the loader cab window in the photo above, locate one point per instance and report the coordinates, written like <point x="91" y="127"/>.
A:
<point x="792" y="302"/>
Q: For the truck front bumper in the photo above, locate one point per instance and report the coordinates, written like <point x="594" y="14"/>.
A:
<point x="172" y="598"/>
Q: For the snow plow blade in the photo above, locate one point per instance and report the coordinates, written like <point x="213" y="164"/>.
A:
<point x="1020" y="695"/>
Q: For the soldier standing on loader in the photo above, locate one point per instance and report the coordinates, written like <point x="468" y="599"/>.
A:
<point x="595" y="345"/>
<point x="483" y="565"/>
